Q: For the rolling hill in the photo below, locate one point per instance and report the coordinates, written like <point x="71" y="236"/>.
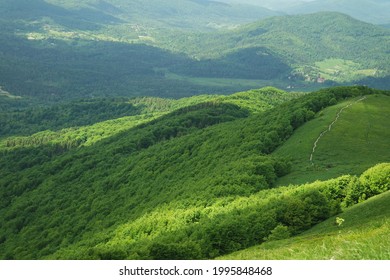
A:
<point x="325" y="43"/>
<point x="373" y="11"/>
<point x="355" y="141"/>
<point x="134" y="16"/>
<point x="49" y="62"/>
<point x="181" y="179"/>
<point x="116" y="141"/>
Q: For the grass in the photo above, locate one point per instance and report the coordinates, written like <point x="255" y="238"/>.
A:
<point x="341" y="70"/>
<point x="358" y="140"/>
<point x="224" y="82"/>
<point x="365" y="234"/>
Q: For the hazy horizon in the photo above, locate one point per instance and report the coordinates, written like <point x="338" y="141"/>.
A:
<point x="271" y="4"/>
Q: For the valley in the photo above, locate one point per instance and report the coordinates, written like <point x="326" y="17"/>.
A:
<point x="193" y="130"/>
<point x="61" y="52"/>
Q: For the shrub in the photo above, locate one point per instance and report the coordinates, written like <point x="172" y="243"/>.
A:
<point x="278" y="233"/>
<point x="376" y="180"/>
<point x="372" y="182"/>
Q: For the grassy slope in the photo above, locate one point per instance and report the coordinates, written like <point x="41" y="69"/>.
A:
<point x="365" y="234"/>
<point x="356" y="141"/>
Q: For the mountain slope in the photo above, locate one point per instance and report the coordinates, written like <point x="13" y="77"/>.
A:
<point x="94" y="15"/>
<point x="355" y="141"/>
<point x="320" y="47"/>
<point x="174" y="187"/>
<point x="305" y="38"/>
<point x="47" y="61"/>
<point x="363" y="234"/>
<point x="373" y="11"/>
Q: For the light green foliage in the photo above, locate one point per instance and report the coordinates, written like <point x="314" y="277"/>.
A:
<point x="196" y="182"/>
<point x="339" y="221"/>
<point x="364" y="234"/>
<point x="278" y="233"/>
<point x="373" y="181"/>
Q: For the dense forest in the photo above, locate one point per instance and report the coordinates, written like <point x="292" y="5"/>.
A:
<point x="54" y="51"/>
<point x="191" y="129"/>
<point x="196" y="182"/>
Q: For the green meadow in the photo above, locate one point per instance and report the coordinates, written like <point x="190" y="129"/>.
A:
<point x="356" y="141"/>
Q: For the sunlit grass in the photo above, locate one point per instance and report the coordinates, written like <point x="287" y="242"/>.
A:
<point x="365" y="234"/>
<point x="356" y="141"/>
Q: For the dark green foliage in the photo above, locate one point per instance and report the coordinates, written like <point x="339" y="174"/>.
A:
<point x="174" y="250"/>
<point x="195" y="183"/>
<point x="68" y="50"/>
<point x="249" y="63"/>
<point x="82" y="112"/>
<point x="278" y="233"/>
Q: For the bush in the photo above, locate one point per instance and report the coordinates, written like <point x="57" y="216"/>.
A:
<point x="374" y="181"/>
<point x="175" y="251"/>
<point x="278" y="233"/>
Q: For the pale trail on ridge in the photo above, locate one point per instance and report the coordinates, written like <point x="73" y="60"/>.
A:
<point x="330" y="127"/>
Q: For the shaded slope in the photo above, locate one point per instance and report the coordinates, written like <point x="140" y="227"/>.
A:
<point x="155" y="164"/>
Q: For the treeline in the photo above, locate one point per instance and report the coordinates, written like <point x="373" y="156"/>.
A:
<point x="228" y="226"/>
<point x="297" y="210"/>
<point x="77" y="113"/>
<point x="138" y="110"/>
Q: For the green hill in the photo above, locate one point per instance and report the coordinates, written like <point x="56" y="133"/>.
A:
<point x="374" y="11"/>
<point x="194" y="180"/>
<point x="54" y="50"/>
<point x="356" y="141"/>
<point x="333" y="46"/>
<point x="362" y="235"/>
<point x="136" y="16"/>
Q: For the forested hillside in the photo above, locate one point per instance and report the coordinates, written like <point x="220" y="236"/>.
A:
<point x="324" y="45"/>
<point x="53" y="51"/>
<point x="189" y="129"/>
<point x="361" y="232"/>
<point x="194" y="181"/>
<point x="374" y="11"/>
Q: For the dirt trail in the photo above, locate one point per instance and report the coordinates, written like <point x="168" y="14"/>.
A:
<point x="330" y="127"/>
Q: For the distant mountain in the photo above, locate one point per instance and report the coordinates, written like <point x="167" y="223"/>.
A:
<point x="277" y="5"/>
<point x="374" y="11"/>
<point x="47" y="61"/>
<point x="97" y="14"/>
<point x="325" y="46"/>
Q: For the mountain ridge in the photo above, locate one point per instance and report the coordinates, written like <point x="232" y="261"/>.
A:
<point x="287" y="52"/>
